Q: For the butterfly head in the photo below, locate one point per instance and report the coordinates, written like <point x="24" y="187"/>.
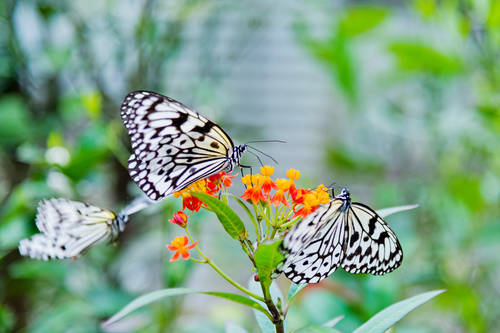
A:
<point x="344" y="194"/>
<point x="234" y="158"/>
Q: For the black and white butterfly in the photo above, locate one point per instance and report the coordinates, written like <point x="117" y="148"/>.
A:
<point x="343" y="234"/>
<point x="172" y="145"/>
<point x="69" y="228"/>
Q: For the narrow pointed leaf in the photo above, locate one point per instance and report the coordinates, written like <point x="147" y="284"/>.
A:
<point x="392" y="314"/>
<point x="229" y="219"/>
<point x="144" y="300"/>
<point x="157" y="295"/>
<point x="384" y="212"/>
<point x="334" y="321"/>
<point x="237" y="298"/>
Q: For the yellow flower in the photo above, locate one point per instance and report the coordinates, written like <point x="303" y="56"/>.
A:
<point x="283" y="184"/>
<point x="293" y="174"/>
<point x="322" y="194"/>
<point x="198" y="186"/>
<point x="247" y="180"/>
<point x="180" y="246"/>
<point x="310" y="200"/>
<point x="266" y="170"/>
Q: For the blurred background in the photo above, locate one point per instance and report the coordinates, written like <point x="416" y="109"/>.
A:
<point x="400" y="101"/>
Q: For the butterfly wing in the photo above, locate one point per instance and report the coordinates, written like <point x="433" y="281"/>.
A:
<point x="371" y="246"/>
<point x="59" y="215"/>
<point x="173" y="146"/>
<point x="314" y="248"/>
<point x="68" y="228"/>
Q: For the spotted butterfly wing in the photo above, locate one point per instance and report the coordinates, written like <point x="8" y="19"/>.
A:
<point x="172" y="145"/>
<point x="339" y="233"/>
<point x="314" y="248"/>
<point x="371" y="246"/>
<point x="68" y="228"/>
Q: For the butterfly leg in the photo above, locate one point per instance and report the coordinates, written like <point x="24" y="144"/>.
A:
<point x="245" y="167"/>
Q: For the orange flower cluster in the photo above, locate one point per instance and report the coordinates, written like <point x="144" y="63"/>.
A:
<point x="211" y="185"/>
<point x="181" y="248"/>
<point x="303" y="201"/>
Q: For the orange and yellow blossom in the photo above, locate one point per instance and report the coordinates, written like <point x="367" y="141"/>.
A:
<point x="322" y="194"/>
<point x="293" y="174"/>
<point x="227" y="179"/>
<point x="179" y="245"/>
<point x="210" y="185"/>
<point x="283" y="185"/>
<point x="266" y="170"/>
<point x="254" y="194"/>
<point x="310" y="200"/>
<point x="268" y="185"/>
<point x="279" y="198"/>
<point x="190" y="202"/>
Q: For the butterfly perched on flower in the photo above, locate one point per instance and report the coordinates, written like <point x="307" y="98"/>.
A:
<point x="172" y="145"/>
<point x="69" y="228"/>
<point x="343" y="234"/>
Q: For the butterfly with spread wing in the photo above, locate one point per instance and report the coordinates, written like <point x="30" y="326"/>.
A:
<point x="340" y="233"/>
<point x="172" y="145"/>
<point x="69" y="228"/>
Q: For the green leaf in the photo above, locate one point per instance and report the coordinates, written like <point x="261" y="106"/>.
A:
<point x="384" y="212"/>
<point x="237" y="298"/>
<point x="416" y="56"/>
<point x="294" y="290"/>
<point x="229" y="219"/>
<point x="494" y="15"/>
<point x="267" y="257"/>
<point x="154" y="296"/>
<point x="426" y="8"/>
<point x="245" y="207"/>
<point x="144" y="300"/>
<point x="360" y="19"/>
<point x="93" y="104"/>
<point x="333" y="322"/>
<point x="392" y="314"/>
<point x="16" y="126"/>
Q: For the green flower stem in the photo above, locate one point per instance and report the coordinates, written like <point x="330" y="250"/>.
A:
<point x="221" y="273"/>
<point x="198" y="261"/>
<point x="257" y="231"/>
<point x="279" y="214"/>
<point x="277" y="318"/>
<point x="292" y="222"/>
<point x="264" y="214"/>
<point x="273" y="233"/>
<point x="259" y="219"/>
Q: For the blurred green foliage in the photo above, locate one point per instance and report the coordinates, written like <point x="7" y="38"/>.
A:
<point x="417" y="83"/>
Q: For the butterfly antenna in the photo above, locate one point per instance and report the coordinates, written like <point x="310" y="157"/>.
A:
<point x="254" y="154"/>
<point x="260" y="151"/>
<point x="261" y="141"/>
<point x="332" y="188"/>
